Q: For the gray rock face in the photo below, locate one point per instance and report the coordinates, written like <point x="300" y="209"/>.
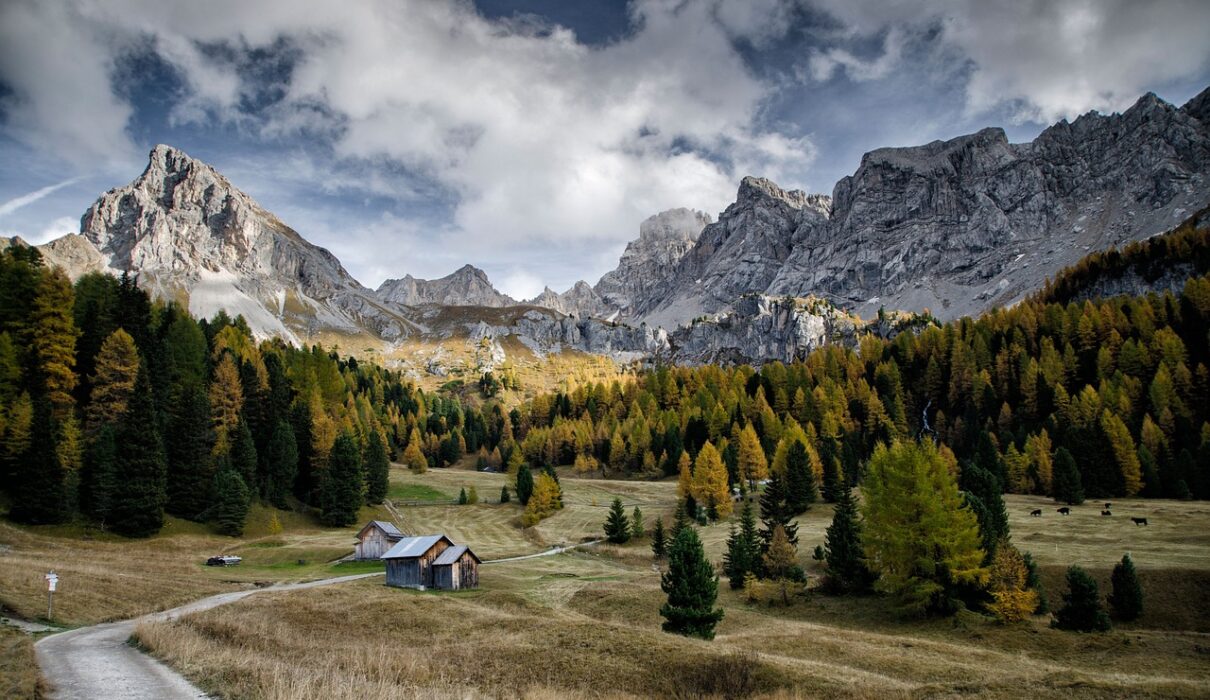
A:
<point x="958" y="226"/>
<point x="544" y="331"/>
<point x="581" y="300"/>
<point x="466" y="286"/>
<point x="647" y="267"/>
<point x="762" y="329"/>
<point x="184" y="229"/>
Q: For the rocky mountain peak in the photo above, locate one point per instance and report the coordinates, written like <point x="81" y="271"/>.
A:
<point x="189" y="233"/>
<point x="466" y="286"/>
<point x="1199" y="106"/>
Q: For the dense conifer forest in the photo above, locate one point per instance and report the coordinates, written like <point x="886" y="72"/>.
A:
<point x="118" y="409"/>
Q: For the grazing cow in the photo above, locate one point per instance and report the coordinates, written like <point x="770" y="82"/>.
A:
<point x="1036" y="512"/>
<point x="1139" y="521"/>
<point x="1108" y="506"/>
<point x="1105" y="512"/>
<point x="1065" y="511"/>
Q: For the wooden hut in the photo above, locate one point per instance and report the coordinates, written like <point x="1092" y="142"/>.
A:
<point x="410" y="561"/>
<point x="456" y="567"/>
<point x="375" y="539"/>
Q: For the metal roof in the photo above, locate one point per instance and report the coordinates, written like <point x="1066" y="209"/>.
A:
<point x="412" y="547"/>
<point x="452" y="555"/>
<point x="388" y="528"/>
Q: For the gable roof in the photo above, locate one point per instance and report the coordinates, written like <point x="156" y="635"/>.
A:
<point x="388" y="528"/>
<point x="412" y="547"/>
<point x="453" y="554"/>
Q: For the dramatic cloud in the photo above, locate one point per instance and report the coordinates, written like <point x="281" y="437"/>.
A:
<point x="412" y="136"/>
<point x="1047" y="60"/>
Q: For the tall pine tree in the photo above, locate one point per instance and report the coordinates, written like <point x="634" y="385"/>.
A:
<point x="141" y="473"/>
<point x="743" y="549"/>
<point x="378" y="469"/>
<point x="281" y="465"/>
<point x="188" y="452"/>
<point x="340" y="495"/>
<point x="847" y="569"/>
<point x="692" y="589"/>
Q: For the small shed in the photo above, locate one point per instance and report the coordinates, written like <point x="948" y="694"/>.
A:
<point x="410" y="561"/>
<point x="456" y="567"/>
<point x="375" y="539"/>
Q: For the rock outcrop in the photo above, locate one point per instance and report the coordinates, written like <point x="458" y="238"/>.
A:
<point x="466" y="286"/>
<point x="581" y="300"/>
<point x="188" y="232"/>
<point x="647" y="267"/>
<point x="956" y="226"/>
<point x="762" y="329"/>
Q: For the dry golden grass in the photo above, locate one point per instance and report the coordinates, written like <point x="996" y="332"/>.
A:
<point x="19" y="677"/>
<point x="105" y="577"/>
<point x="587" y="624"/>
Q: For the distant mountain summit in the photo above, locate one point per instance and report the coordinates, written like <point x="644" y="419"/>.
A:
<point x="958" y="226"/>
<point x="189" y="234"/>
<point x="466" y="286"/>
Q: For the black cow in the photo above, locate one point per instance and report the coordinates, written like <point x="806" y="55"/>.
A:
<point x="1108" y="506"/>
<point x="1139" y="521"/>
<point x="1036" y="512"/>
<point x="1065" y="511"/>
<point x="1105" y="512"/>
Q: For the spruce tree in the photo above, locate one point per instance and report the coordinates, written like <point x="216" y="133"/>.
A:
<point x="40" y="488"/>
<point x="141" y="475"/>
<point x="659" y="542"/>
<point x="243" y="454"/>
<point x="340" y="494"/>
<point x="637" y="530"/>
<point x="525" y="484"/>
<point x="281" y="464"/>
<point x="800" y="480"/>
<point x="504" y="497"/>
<point x="231" y="501"/>
<point x="190" y="476"/>
<point x="1067" y="487"/>
<point x="680" y="521"/>
<point x="305" y="480"/>
<point x="1126" y="599"/>
<point x="743" y="549"/>
<point x="617" y="525"/>
<point x="989" y="507"/>
<point x="378" y="469"/>
<point x="1081" y="611"/>
<point x="100" y="466"/>
<point x="692" y="589"/>
<point x="774" y="511"/>
<point x="462" y="496"/>
<point x="847" y="570"/>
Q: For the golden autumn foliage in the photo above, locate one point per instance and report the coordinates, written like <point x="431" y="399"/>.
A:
<point x="1011" y="600"/>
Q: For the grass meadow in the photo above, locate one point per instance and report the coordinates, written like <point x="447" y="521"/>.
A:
<point x="586" y="624"/>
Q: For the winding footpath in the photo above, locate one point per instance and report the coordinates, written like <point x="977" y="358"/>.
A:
<point x="96" y="663"/>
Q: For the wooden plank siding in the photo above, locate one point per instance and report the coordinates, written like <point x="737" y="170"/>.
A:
<point x="373" y="545"/>
<point x="415" y="572"/>
<point x="463" y="573"/>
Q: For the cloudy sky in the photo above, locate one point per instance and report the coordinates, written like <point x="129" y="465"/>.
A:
<point x="530" y="137"/>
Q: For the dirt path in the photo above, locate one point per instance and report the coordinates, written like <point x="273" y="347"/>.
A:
<point x="547" y="553"/>
<point x="96" y="662"/>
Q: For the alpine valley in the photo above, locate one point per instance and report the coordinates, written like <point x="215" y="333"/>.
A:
<point x="943" y="230"/>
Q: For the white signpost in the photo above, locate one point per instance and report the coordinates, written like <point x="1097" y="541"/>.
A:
<point x="52" y="582"/>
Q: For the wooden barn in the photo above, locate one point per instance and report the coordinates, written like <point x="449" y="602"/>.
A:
<point x="410" y="561"/>
<point x="456" y="567"/>
<point x="375" y="539"/>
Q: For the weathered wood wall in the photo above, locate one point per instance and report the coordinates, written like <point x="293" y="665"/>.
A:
<point x="415" y="572"/>
<point x="374" y="545"/>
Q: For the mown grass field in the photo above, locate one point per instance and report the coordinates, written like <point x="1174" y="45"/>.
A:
<point x="586" y="624"/>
